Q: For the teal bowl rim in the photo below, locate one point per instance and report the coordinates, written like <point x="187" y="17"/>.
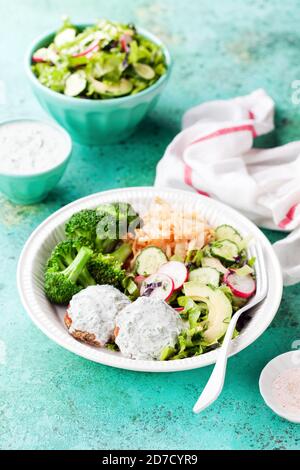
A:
<point x="87" y="101"/>
<point x="53" y="168"/>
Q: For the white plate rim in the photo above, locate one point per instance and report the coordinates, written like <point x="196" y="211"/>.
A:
<point x="29" y="250"/>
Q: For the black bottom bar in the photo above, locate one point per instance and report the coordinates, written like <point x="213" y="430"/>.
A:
<point x="137" y="458"/>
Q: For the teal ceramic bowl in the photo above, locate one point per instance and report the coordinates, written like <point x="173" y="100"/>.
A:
<point x="96" y="122"/>
<point x="33" y="188"/>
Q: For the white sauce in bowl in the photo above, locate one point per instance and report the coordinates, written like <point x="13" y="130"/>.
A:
<point x="31" y="147"/>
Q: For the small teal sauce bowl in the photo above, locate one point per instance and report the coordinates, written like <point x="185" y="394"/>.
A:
<point x="33" y="188"/>
<point x="97" y="122"/>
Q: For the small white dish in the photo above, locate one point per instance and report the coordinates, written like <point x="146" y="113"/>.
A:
<point x="49" y="318"/>
<point x="279" y="364"/>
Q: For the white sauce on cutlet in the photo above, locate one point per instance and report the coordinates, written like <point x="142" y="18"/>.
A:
<point x="94" y="310"/>
<point x="146" y="327"/>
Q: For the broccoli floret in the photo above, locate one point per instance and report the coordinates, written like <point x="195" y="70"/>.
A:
<point x="83" y="225"/>
<point x="121" y="218"/>
<point x="65" y="253"/>
<point x="66" y="273"/>
<point x="108" y="269"/>
<point x="116" y="220"/>
<point x="62" y="255"/>
<point x="103" y="227"/>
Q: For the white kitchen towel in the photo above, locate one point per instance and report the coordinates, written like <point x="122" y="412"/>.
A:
<point x="214" y="155"/>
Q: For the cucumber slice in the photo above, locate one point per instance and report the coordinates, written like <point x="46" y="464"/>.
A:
<point x="144" y="71"/>
<point x="225" y="250"/>
<point x="149" y="261"/>
<point x="75" y="84"/>
<point x="124" y="87"/>
<point x="64" y="37"/>
<point x="206" y="276"/>
<point x="227" y="232"/>
<point x="214" y="263"/>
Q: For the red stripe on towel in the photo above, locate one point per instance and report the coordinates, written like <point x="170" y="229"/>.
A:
<point x="226" y="131"/>
<point x="289" y="216"/>
<point x="218" y="133"/>
<point x="188" y="180"/>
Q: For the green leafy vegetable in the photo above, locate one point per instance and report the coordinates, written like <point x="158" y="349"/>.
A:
<point x="105" y="60"/>
<point x="103" y="227"/>
<point x="108" y="269"/>
<point x="194" y="259"/>
<point x="66" y="272"/>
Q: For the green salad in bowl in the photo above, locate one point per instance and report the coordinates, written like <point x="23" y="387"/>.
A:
<point x="99" y="62"/>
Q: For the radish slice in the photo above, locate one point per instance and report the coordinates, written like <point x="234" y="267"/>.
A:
<point x="94" y="47"/>
<point x="158" y="286"/>
<point x="179" y="309"/>
<point x="177" y="271"/>
<point x="124" y="44"/>
<point x="124" y="41"/>
<point x="45" y="55"/>
<point x="241" y="286"/>
<point x="139" y="279"/>
<point x="41" y="55"/>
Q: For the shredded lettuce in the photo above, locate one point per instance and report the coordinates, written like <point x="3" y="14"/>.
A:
<point x="243" y="245"/>
<point x="244" y="270"/>
<point x="251" y="261"/>
<point x="194" y="259"/>
<point x="167" y="353"/>
<point x="51" y="76"/>
<point x="190" y="342"/>
<point x="107" y="52"/>
<point x="130" y="288"/>
<point x="227" y="291"/>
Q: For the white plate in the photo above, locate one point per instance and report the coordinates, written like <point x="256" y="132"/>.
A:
<point x="50" y="318"/>
<point x="289" y="360"/>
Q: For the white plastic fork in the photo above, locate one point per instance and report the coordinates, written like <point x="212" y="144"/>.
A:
<point x="215" y="383"/>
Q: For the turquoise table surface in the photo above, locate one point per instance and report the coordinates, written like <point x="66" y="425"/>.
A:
<point x="51" y="399"/>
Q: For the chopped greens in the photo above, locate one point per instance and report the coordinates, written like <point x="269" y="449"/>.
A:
<point x="103" y="61"/>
